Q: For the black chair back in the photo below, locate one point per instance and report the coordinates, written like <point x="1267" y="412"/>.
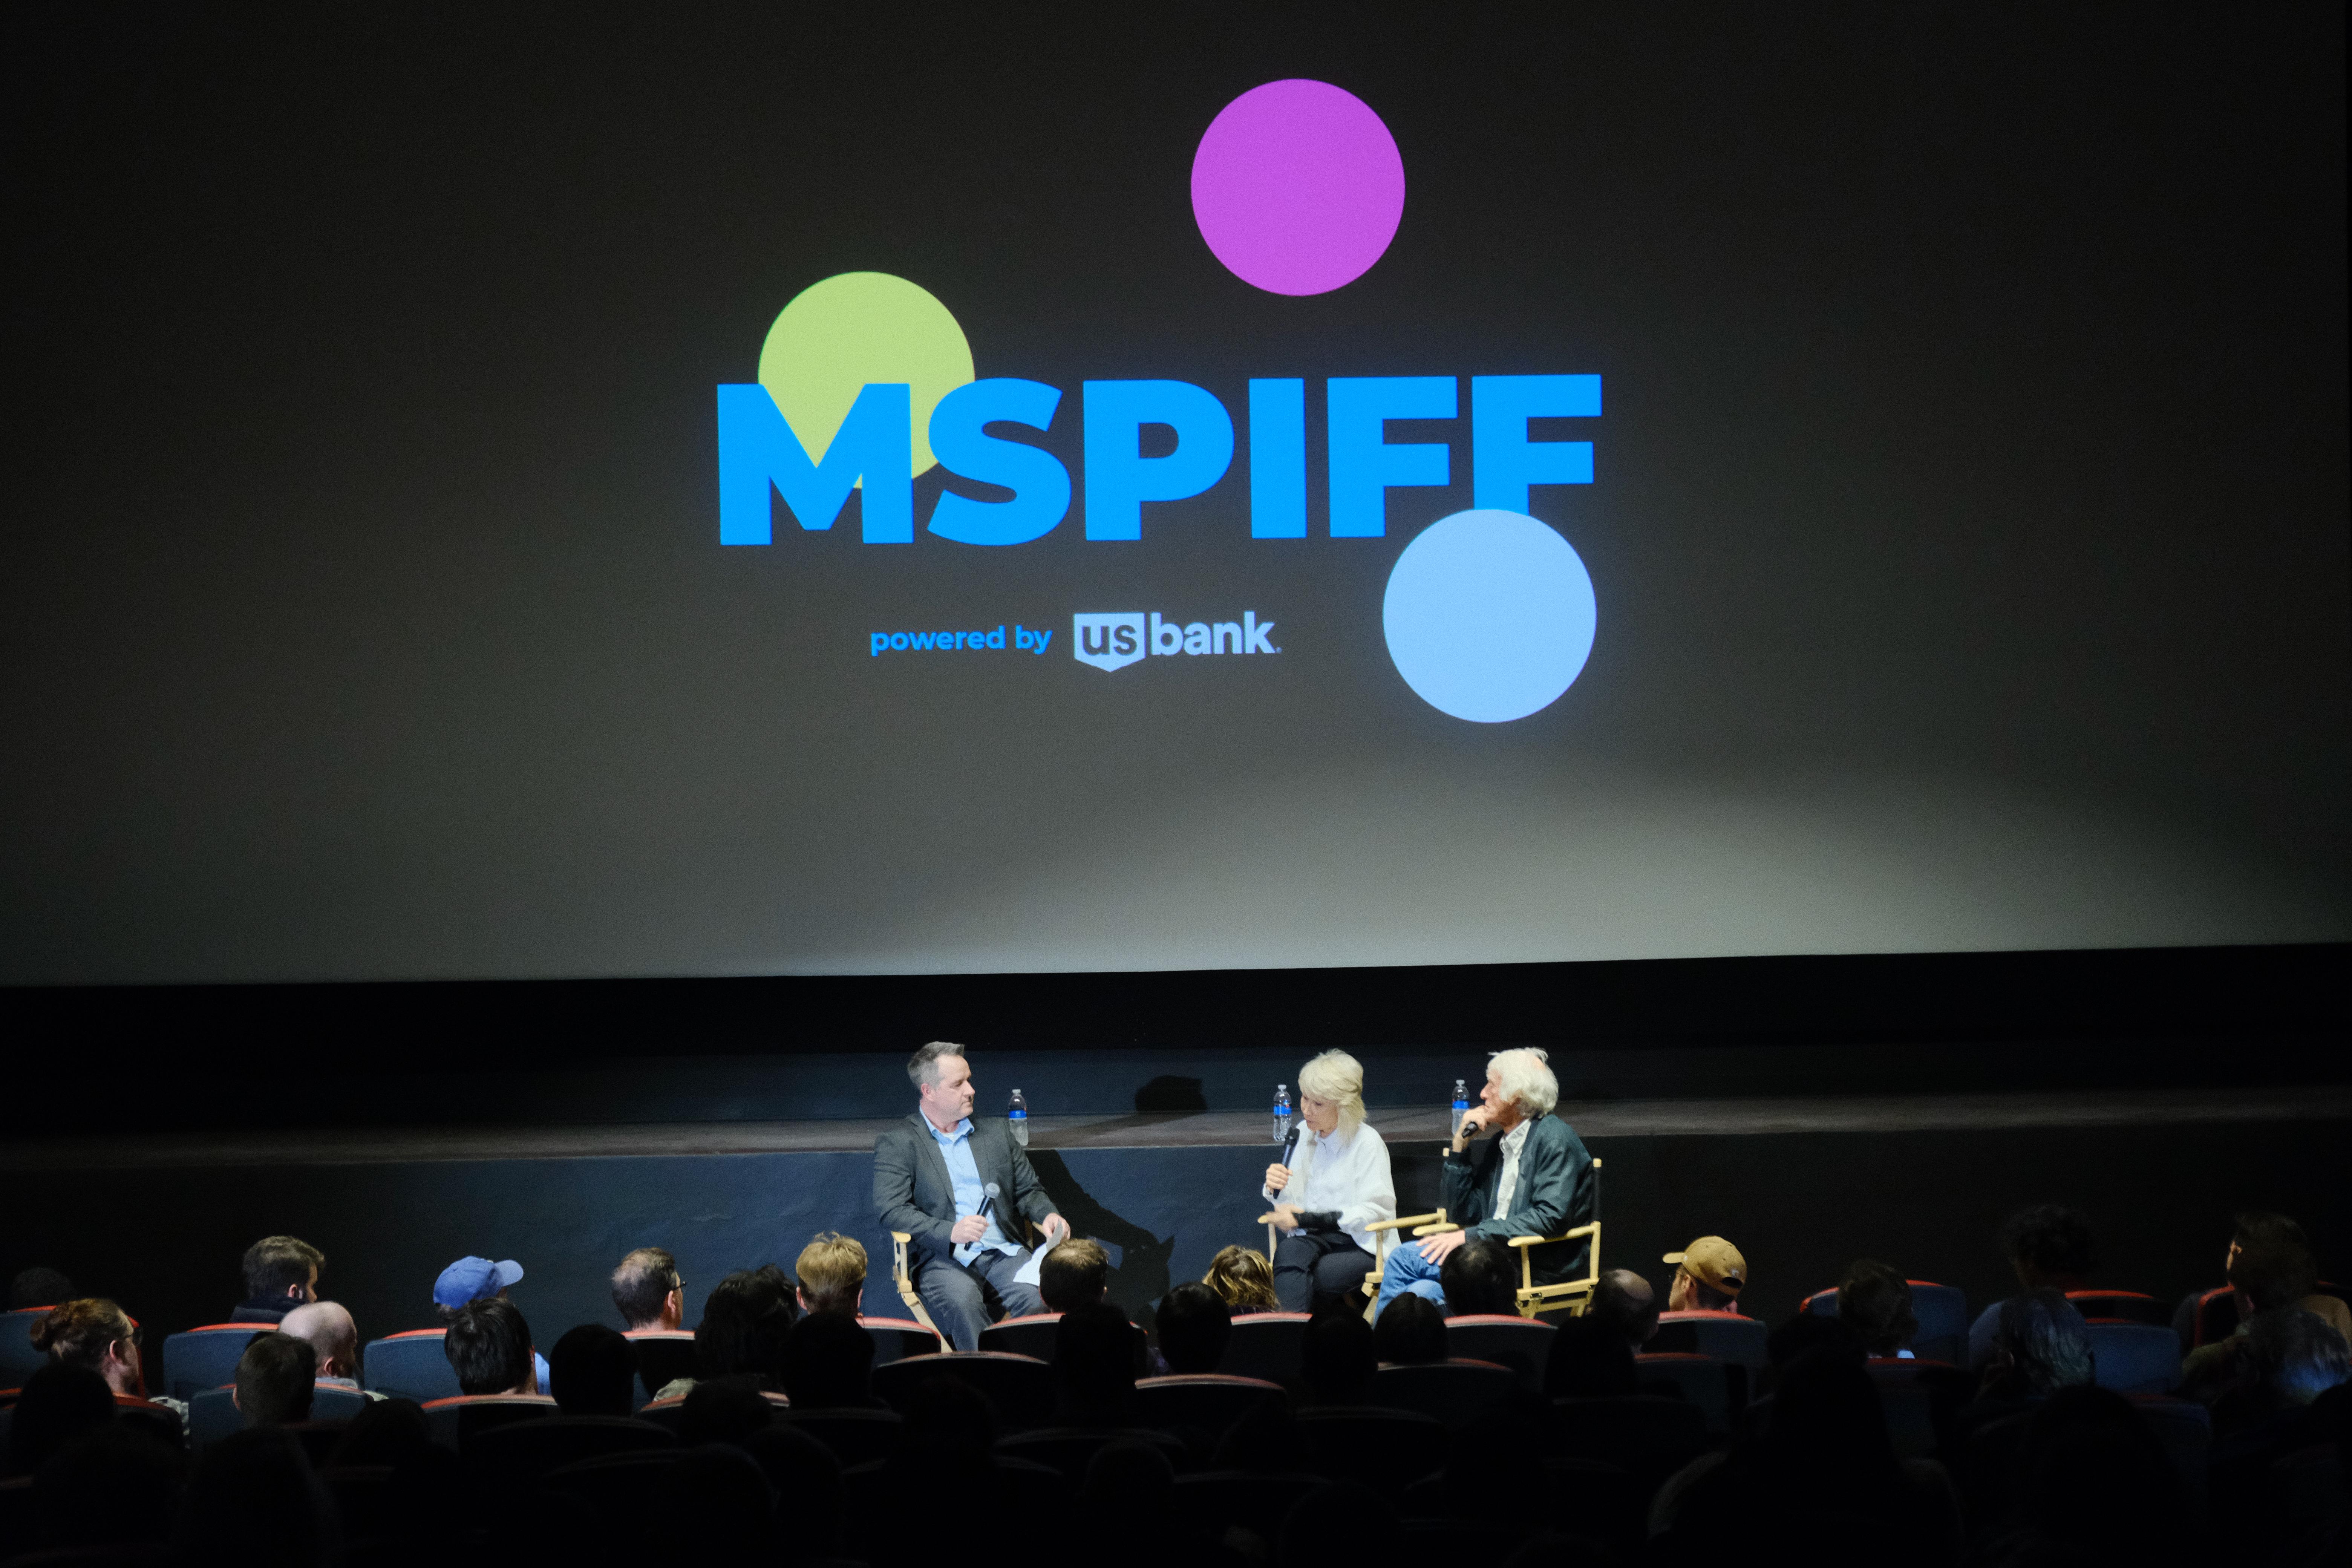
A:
<point x="1452" y="1392"/>
<point x="1020" y="1387"/>
<point x="1387" y="1450"/>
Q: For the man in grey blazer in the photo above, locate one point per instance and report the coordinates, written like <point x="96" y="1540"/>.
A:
<point x="931" y="1177"/>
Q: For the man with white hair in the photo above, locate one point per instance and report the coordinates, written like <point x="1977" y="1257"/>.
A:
<point x="1534" y="1180"/>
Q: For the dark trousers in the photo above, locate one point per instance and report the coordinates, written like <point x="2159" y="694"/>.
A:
<point x="1308" y="1264"/>
<point x="963" y="1298"/>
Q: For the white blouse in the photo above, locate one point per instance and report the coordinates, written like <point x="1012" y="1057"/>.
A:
<point x="1346" y="1172"/>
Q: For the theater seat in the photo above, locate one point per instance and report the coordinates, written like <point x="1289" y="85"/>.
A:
<point x="896" y="1339"/>
<point x="1031" y="1335"/>
<point x="1942" y="1311"/>
<point x="199" y="1359"/>
<point x="1594" y="1498"/>
<point x="854" y="1435"/>
<point x="1208" y="1503"/>
<point x="1068" y="1448"/>
<point x="521" y="1452"/>
<point x="1725" y="1336"/>
<point x="457" y="1421"/>
<point x="1201" y="1402"/>
<point x="1719" y="1389"/>
<point x="1647" y="1434"/>
<point x="364" y="1500"/>
<point x="664" y="1355"/>
<point x="160" y="1419"/>
<point x="18" y="1359"/>
<point x="2129" y="1306"/>
<point x="621" y="1490"/>
<point x="1386" y="1450"/>
<point x="2185" y="1428"/>
<point x="2134" y="1358"/>
<point x="1908" y="1402"/>
<point x="212" y="1413"/>
<point x="1523" y="1344"/>
<point x="1265" y="1344"/>
<point x="409" y="1366"/>
<point x="668" y="1414"/>
<point x="1020" y="1387"/>
<point x="1452" y="1392"/>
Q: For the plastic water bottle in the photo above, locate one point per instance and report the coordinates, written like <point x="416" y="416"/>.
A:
<point x="1281" y="1112"/>
<point x="1018" y="1116"/>
<point x="1461" y="1106"/>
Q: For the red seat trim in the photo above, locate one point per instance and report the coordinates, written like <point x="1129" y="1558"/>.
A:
<point x="1701" y="1314"/>
<point x="1469" y="1318"/>
<point x="1024" y="1317"/>
<point x="415" y="1335"/>
<point x="486" y="1399"/>
<point x="226" y="1329"/>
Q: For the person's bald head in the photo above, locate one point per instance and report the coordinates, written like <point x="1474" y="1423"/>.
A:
<point x="1624" y="1300"/>
<point x="328" y="1328"/>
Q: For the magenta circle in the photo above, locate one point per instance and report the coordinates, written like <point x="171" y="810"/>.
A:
<point x="1297" y="187"/>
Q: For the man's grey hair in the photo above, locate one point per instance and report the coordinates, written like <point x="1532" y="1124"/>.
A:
<point x="923" y="1066"/>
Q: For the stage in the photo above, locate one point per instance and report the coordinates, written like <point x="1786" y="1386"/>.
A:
<point x="1804" y="1184"/>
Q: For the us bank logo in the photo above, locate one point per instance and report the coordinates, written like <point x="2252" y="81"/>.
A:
<point x="866" y="380"/>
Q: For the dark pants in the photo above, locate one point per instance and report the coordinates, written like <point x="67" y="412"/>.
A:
<point x="963" y="1298"/>
<point x="1308" y="1264"/>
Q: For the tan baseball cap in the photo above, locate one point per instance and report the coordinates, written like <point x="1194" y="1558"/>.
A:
<point x="1714" y="1263"/>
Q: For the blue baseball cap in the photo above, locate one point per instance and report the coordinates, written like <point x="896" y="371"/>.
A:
<point x="471" y="1278"/>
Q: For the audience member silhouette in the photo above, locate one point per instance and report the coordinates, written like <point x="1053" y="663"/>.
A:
<point x="1337" y="1358"/>
<point x="1195" y="1325"/>
<point x="2050" y="1247"/>
<point x="1589" y="1360"/>
<point x="39" y="1286"/>
<point x="828" y="1363"/>
<point x="1625" y="1301"/>
<point x="1244" y="1278"/>
<point x="1412" y="1333"/>
<point x="59" y="1402"/>
<point x="275" y="1379"/>
<point x="1481" y="1277"/>
<point x="1094" y="1368"/>
<point x="253" y="1498"/>
<point x="593" y="1370"/>
<point x="647" y="1290"/>
<point x="1874" y="1300"/>
<point x="746" y="1320"/>
<point x="488" y="1347"/>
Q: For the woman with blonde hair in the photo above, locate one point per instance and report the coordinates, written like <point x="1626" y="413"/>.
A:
<point x="1335" y="1183"/>
<point x="1241" y="1280"/>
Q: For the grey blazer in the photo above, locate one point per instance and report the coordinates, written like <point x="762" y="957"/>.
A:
<point x="913" y="1193"/>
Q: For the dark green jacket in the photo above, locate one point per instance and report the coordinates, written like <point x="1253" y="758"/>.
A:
<point x="1554" y="1194"/>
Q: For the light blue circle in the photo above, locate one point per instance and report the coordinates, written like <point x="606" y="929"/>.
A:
<point x="1489" y="616"/>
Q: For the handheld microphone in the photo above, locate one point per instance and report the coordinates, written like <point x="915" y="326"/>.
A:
<point x="988" y="1202"/>
<point x="1289" y="1143"/>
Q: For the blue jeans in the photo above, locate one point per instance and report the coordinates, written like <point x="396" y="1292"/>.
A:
<point x="1407" y="1270"/>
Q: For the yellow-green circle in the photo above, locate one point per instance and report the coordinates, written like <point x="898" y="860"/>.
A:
<point x="854" y="328"/>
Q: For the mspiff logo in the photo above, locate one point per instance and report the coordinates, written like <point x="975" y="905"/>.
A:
<point x="1108" y="642"/>
<point x="866" y="380"/>
<point x="1116" y="641"/>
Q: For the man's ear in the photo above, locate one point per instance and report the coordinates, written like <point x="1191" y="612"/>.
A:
<point x="802" y="1297"/>
<point x="232" y="1399"/>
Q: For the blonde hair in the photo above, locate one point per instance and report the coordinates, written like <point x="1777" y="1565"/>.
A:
<point x="832" y="1270"/>
<point x="1337" y="1076"/>
<point x="1242" y="1280"/>
<point x="1525" y="1080"/>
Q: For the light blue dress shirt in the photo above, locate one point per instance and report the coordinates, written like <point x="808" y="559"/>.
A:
<point x="963" y="1171"/>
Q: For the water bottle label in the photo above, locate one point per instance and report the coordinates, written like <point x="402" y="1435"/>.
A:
<point x="1018" y="1115"/>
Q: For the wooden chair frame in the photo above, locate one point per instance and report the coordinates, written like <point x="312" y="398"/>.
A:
<point x="1576" y="1295"/>
<point x="902" y="1273"/>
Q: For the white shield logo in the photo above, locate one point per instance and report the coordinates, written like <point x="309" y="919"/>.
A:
<point x="1108" y="642"/>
